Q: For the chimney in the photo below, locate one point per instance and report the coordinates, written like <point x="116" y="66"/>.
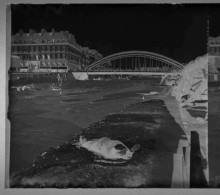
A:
<point x="53" y="32"/>
<point x="43" y="31"/>
<point x="31" y="32"/>
<point x="72" y="38"/>
<point x="20" y="32"/>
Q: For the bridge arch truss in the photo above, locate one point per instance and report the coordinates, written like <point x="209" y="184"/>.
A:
<point x="135" y="61"/>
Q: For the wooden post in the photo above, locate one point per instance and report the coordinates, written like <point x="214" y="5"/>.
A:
<point x="132" y="63"/>
<point x="181" y="166"/>
<point x="186" y="168"/>
<point x="144" y="63"/>
<point x="177" y="177"/>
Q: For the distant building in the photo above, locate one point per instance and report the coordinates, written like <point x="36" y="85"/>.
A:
<point x="214" y="46"/>
<point x="214" y="54"/>
<point x="15" y="64"/>
<point x="214" y="58"/>
<point x="51" y="51"/>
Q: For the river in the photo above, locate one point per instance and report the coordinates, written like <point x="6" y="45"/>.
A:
<point x="52" y="121"/>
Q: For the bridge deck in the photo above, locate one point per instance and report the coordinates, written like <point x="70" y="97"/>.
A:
<point x="126" y="73"/>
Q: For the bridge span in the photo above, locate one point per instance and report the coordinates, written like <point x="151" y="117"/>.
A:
<point x="131" y="73"/>
<point x="132" y="63"/>
<point x="142" y="61"/>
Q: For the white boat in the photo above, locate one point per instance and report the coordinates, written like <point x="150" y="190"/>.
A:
<point x="97" y="79"/>
<point x="55" y="87"/>
<point x="151" y="93"/>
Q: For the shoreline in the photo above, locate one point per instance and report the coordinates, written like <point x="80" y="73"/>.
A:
<point x="176" y="111"/>
<point x="172" y="148"/>
<point x="190" y="125"/>
<point x="68" y="113"/>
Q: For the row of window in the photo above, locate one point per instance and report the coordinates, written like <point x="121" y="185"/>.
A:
<point x="214" y="50"/>
<point x="39" y="41"/>
<point x="40" y="48"/>
<point x="43" y="48"/>
<point x="46" y="48"/>
<point x="49" y="56"/>
<point x="42" y="56"/>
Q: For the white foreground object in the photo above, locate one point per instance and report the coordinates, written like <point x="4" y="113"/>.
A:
<point x="107" y="148"/>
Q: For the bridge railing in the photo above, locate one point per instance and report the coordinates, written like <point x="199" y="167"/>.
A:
<point x="118" y="70"/>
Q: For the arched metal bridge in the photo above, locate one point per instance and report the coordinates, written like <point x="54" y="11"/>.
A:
<point x="135" y="61"/>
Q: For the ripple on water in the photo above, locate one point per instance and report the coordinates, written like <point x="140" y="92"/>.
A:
<point x="116" y="96"/>
<point x="79" y="93"/>
<point x="73" y="94"/>
<point x="73" y="100"/>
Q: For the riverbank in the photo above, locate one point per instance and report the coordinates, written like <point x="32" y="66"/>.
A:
<point x="147" y="123"/>
<point x="46" y="118"/>
<point x="159" y="117"/>
<point x="191" y="91"/>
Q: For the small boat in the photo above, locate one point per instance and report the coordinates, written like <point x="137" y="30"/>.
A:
<point x="55" y="87"/>
<point x="123" y="78"/>
<point x="23" y="88"/>
<point x="97" y="79"/>
<point x="151" y="93"/>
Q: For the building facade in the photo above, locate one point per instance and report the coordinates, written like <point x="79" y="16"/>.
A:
<point x="214" y="46"/>
<point x="214" y="54"/>
<point x="51" y="51"/>
<point x="214" y="58"/>
<point x="15" y="63"/>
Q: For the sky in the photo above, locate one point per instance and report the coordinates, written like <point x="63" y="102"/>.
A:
<point x="214" y="18"/>
<point x="177" y="31"/>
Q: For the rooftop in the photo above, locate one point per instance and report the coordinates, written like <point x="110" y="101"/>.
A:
<point x="214" y="40"/>
<point x="33" y="37"/>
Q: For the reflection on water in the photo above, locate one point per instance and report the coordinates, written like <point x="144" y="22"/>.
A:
<point x="116" y="96"/>
<point x="70" y="100"/>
